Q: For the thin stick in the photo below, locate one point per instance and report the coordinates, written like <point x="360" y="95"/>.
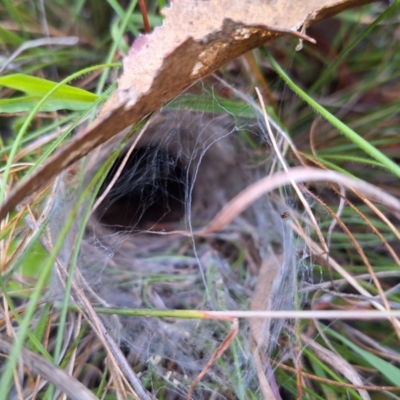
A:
<point x="143" y="10"/>
<point x="355" y="314"/>
<point x="217" y="354"/>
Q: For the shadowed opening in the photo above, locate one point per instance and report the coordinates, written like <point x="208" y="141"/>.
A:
<point x="149" y="193"/>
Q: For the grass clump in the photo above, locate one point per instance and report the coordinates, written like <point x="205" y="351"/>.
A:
<point x="333" y="106"/>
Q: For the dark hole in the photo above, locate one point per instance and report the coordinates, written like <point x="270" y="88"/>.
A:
<point x="149" y="193"/>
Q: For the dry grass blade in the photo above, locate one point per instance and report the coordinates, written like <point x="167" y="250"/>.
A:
<point x="375" y="347"/>
<point x="363" y="257"/>
<point x="64" y="41"/>
<point x="118" y="360"/>
<point x="265" y="387"/>
<point x="217" y="353"/>
<point x="286" y="169"/>
<point x="74" y="389"/>
<point x="316" y="250"/>
<point x="120" y="364"/>
<point x="259" y="327"/>
<point x="261" y="298"/>
<point x="341" y="384"/>
<point x="298" y="174"/>
<point x="379" y="213"/>
<point x="338" y="363"/>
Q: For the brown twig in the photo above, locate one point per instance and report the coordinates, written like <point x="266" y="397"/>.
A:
<point x="143" y="10"/>
<point x="217" y="353"/>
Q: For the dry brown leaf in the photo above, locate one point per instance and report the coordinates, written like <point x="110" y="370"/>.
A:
<point x="197" y="37"/>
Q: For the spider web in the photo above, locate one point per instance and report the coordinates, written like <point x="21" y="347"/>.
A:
<point x="196" y="154"/>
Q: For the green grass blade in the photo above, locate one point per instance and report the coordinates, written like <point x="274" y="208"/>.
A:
<point x="114" y="47"/>
<point x="27" y="104"/>
<point x="7" y="37"/>
<point x="213" y="105"/>
<point x="39" y="87"/>
<point x="30" y="117"/>
<point x="348" y="132"/>
<point x="7" y="375"/>
<point x="332" y="67"/>
<point x="388" y="370"/>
